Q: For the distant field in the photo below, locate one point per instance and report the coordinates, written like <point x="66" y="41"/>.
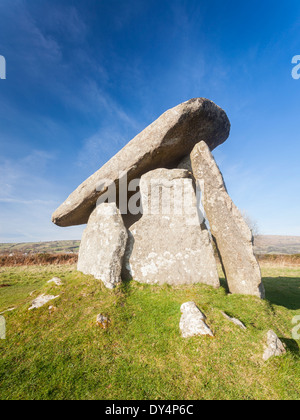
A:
<point x="268" y="244"/>
<point x="264" y="244"/>
<point x="56" y="247"/>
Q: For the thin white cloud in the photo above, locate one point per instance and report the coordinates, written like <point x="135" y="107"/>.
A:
<point x="27" y="199"/>
<point x="32" y="223"/>
<point x="99" y="148"/>
<point x="27" y="194"/>
<point x="65" y="19"/>
<point x="27" y="202"/>
<point x="20" y="177"/>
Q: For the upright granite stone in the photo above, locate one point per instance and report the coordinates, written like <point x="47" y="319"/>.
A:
<point x="232" y="235"/>
<point x="168" y="244"/>
<point x="161" y="145"/>
<point x="103" y="245"/>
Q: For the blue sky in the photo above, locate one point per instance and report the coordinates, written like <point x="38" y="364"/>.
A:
<point x="85" y="76"/>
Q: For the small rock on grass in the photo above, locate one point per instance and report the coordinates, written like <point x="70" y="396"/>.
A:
<point x="7" y="310"/>
<point x="41" y="301"/>
<point x="235" y="321"/>
<point x="52" y="309"/>
<point x="56" y="280"/>
<point x="192" y="321"/>
<point x="103" y="321"/>
<point x="275" y="347"/>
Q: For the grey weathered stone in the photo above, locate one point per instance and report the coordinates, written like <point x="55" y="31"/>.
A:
<point x="193" y="321"/>
<point x="232" y="235"/>
<point x="41" y="301"/>
<point x="162" y="144"/>
<point x="274" y="346"/>
<point x="2" y="328"/>
<point x="168" y="244"/>
<point x="52" y="309"/>
<point x="103" y="245"/>
<point x="103" y="321"/>
<point x="234" y="321"/>
<point x="56" y="280"/>
<point x="7" y="310"/>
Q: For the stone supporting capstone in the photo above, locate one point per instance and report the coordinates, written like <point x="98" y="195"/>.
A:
<point x="103" y="245"/>
<point x="169" y="244"/>
<point x="232" y="235"/>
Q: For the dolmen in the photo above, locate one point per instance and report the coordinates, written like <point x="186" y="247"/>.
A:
<point x="147" y="209"/>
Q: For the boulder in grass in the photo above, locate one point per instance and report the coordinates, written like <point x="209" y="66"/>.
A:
<point x="103" y="321"/>
<point x="41" y="301"/>
<point x="274" y="347"/>
<point x="193" y="321"/>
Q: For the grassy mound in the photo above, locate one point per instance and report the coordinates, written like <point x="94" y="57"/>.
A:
<point x="63" y="354"/>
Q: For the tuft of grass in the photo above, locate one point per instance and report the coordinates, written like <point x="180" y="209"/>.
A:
<point x="64" y="354"/>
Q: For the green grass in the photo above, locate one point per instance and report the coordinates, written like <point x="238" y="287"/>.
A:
<point x="65" y="355"/>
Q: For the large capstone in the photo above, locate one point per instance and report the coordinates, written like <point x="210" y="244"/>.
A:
<point x="170" y="243"/>
<point x="232" y="235"/>
<point x="161" y="145"/>
<point x="103" y="245"/>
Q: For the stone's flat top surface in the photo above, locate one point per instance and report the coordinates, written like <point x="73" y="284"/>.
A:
<point x="163" y="174"/>
<point x="162" y="144"/>
<point x="192" y="309"/>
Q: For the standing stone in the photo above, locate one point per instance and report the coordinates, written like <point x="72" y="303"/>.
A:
<point x="274" y="347"/>
<point x="193" y="321"/>
<point x="232" y="235"/>
<point x="162" y="144"/>
<point x="168" y="244"/>
<point x="103" y="245"/>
